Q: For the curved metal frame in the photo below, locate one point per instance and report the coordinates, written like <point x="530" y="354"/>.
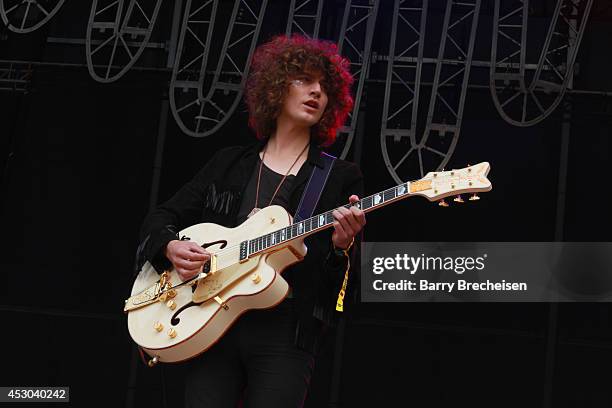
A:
<point x="359" y="50"/>
<point x="562" y="28"/>
<point x="216" y="101"/>
<point x="203" y="13"/>
<point x="435" y="121"/>
<point x="4" y="13"/>
<point x="118" y="35"/>
<point x="411" y="65"/>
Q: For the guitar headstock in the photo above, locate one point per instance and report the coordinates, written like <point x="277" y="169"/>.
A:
<point x="440" y="184"/>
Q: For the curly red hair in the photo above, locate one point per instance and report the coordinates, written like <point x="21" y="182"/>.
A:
<point x="276" y="62"/>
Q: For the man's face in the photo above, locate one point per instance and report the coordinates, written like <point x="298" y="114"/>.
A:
<point x="305" y="100"/>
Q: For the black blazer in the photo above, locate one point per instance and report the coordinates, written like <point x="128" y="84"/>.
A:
<point x="214" y="195"/>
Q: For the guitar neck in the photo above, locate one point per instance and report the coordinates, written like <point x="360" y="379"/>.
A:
<point x="309" y="226"/>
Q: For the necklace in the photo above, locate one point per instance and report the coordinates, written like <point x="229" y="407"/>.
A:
<point x="255" y="208"/>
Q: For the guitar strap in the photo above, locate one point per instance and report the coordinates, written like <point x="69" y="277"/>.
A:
<point x="314" y="188"/>
<point x="308" y="202"/>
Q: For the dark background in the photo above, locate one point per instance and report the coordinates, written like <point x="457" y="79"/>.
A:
<point x="77" y="160"/>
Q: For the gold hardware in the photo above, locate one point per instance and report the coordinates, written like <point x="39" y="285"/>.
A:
<point x="172" y="333"/>
<point x="221" y="302"/>
<point x="171" y="304"/>
<point x="458" y="199"/>
<point x="158" y="326"/>
<point x="256" y="278"/>
<point x="153" y="362"/>
<point x="442" y="203"/>
<point x="272" y="219"/>
<point x="474" y="197"/>
<point x="163" y="297"/>
<point x="213" y="263"/>
<point x="172" y="293"/>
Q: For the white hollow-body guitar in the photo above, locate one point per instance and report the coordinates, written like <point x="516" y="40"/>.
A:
<point x="173" y="321"/>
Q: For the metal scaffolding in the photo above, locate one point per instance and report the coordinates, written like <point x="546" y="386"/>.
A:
<point x="409" y="24"/>
<point x="26" y="16"/>
<point x="15" y="76"/>
<point x="304" y="18"/>
<point x="355" y="43"/>
<point x="119" y="38"/>
<point x="196" y="113"/>
<point x="448" y="92"/>
<point x="531" y="96"/>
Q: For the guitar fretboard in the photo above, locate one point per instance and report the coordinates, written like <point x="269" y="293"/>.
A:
<point x="318" y="222"/>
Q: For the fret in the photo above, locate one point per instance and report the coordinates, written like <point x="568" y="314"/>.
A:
<point x="367" y="202"/>
<point x="389" y="194"/>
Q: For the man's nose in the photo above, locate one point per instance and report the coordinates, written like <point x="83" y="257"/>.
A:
<point x="315" y="88"/>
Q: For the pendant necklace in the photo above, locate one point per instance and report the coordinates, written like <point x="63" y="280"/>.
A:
<point x="255" y="209"/>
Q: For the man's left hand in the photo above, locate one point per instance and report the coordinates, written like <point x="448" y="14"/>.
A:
<point x="348" y="222"/>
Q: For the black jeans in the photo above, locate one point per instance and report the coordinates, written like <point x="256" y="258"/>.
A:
<point x="255" y="362"/>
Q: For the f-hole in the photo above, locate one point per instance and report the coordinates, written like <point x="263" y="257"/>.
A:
<point x="221" y="241"/>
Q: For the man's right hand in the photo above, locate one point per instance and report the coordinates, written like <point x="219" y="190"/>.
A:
<point x="187" y="257"/>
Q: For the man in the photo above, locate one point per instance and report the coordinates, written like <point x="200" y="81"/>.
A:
<point x="298" y="95"/>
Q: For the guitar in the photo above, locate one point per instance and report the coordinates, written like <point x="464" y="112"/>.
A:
<point x="174" y="320"/>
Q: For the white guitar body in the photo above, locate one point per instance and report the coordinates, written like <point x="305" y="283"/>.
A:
<point x="221" y="297"/>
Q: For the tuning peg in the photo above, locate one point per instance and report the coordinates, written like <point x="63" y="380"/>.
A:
<point x="442" y="203"/>
<point x="474" y="197"/>
<point x="458" y="199"/>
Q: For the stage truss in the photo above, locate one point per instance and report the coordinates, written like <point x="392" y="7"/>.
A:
<point x="25" y="16"/>
<point x="116" y="37"/>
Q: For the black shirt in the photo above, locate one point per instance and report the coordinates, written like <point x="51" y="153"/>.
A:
<point x="267" y="185"/>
